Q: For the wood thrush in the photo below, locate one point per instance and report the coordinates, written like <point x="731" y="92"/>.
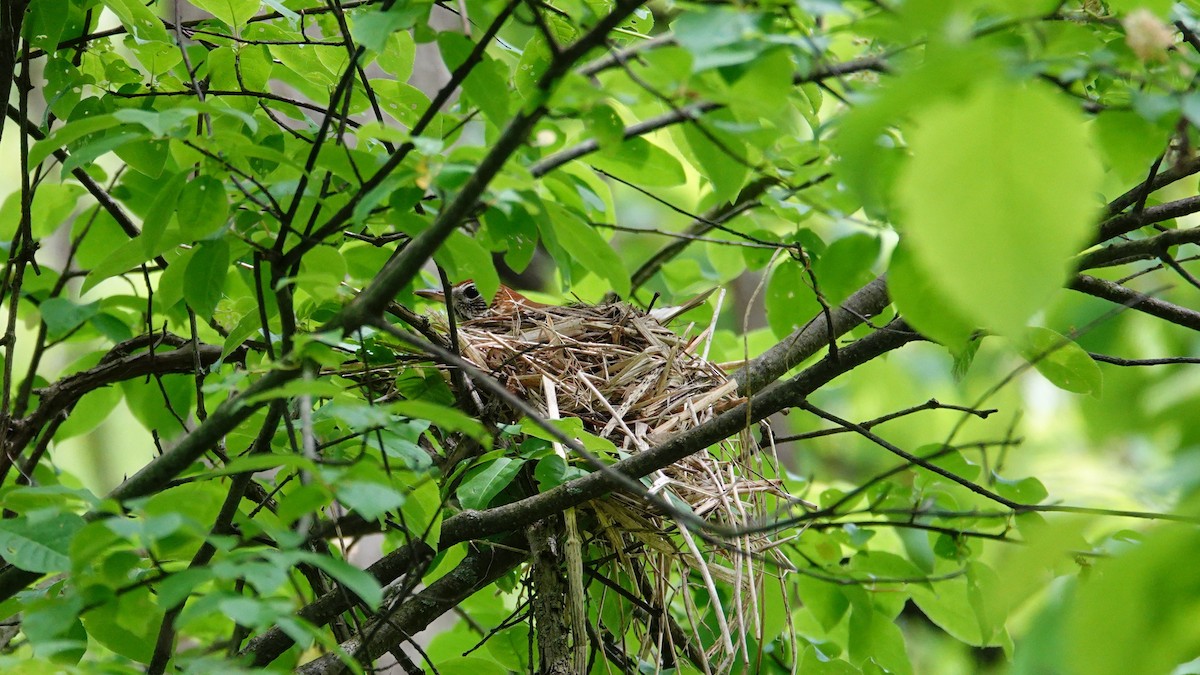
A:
<point x="468" y="302"/>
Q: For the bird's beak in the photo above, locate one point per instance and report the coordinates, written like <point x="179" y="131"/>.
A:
<point x="431" y="294"/>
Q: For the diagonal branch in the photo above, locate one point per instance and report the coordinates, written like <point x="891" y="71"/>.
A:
<point x="866" y="302"/>
<point x="1121" y="295"/>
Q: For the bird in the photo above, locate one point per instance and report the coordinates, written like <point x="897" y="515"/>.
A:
<point x="468" y="302"/>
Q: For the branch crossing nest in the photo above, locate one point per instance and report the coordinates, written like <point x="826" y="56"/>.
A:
<point x="634" y="382"/>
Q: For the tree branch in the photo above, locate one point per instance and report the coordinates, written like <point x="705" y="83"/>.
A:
<point x="866" y="302"/>
<point x="1120" y="295"/>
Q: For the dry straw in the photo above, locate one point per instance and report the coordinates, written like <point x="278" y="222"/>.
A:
<point x="635" y="382"/>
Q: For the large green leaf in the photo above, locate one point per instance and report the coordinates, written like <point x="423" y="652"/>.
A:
<point x="482" y="484"/>
<point x="232" y="12"/>
<point x="641" y="162"/>
<point x="138" y="18"/>
<point x="790" y="300"/>
<point x="922" y="304"/>
<point x="203" y="207"/>
<point x="585" y="246"/>
<point x="204" y="280"/>
<point x="39" y="544"/>
<point x="999" y="194"/>
<point x="1061" y="361"/>
<point x="487" y="84"/>
<point x="61" y="315"/>
<point x="1136" y="612"/>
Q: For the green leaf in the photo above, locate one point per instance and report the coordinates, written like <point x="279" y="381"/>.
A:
<point x="463" y="258"/>
<point x="52" y="205"/>
<point x="1028" y="490"/>
<point x="398" y="55"/>
<point x="93" y="148"/>
<point x="148" y="156"/>
<point x="789" y="299"/>
<point x="1135" y="614"/>
<point x="922" y="304"/>
<point x="159" y="122"/>
<point x="162" y="212"/>
<point x="641" y="162"/>
<point x="825" y="600"/>
<point x="156" y="408"/>
<point x="204" y="280"/>
<point x="761" y="90"/>
<point x="483" y="483"/>
<point x="369" y="499"/>
<point x="1061" y="361"/>
<point x="999" y="194"/>
<point x="140" y="21"/>
<point x="61" y="316"/>
<point x="1129" y="143"/>
<point x="91" y="410"/>
<point x="203" y="207"/>
<point x="373" y="29"/>
<point x="487" y="84"/>
<point x="471" y="665"/>
<point x="422" y="512"/>
<point x="516" y="232"/>
<point x="68" y="134"/>
<point x="356" y="580"/>
<point x="713" y="150"/>
<point x="571" y="427"/>
<point x="404" y="102"/>
<point x="444" y="416"/>
<point x="233" y="12"/>
<point x="44" y="23"/>
<point x="845" y="266"/>
<point x="39" y="543"/>
<point x="127" y="625"/>
<point x="949" y="605"/>
<point x="585" y="245"/>
<point x="719" y="37"/>
<point x="1159" y="7"/>
<point x="552" y="471"/>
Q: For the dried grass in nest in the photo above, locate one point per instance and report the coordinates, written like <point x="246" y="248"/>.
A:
<point x="635" y="382"/>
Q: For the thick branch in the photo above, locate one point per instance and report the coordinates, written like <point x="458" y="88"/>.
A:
<point x="60" y="397"/>
<point x="1134" y="300"/>
<point x="12" y="15"/>
<point x="812" y="337"/>
<point x="715" y="216"/>
<point x="1124" y="252"/>
<point x="1128" y="222"/>
<point x="474" y="524"/>
<point x="476" y="571"/>
<point x="411" y="559"/>
<point x="1160" y="180"/>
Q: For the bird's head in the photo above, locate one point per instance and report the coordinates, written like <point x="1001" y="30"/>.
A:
<point x="465" y="298"/>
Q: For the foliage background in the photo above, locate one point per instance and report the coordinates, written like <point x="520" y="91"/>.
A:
<point x="984" y="155"/>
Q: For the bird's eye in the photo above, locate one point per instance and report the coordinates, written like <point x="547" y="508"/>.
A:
<point x="471" y="292"/>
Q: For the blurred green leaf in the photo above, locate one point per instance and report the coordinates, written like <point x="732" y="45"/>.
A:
<point x="1135" y="613"/>
<point x="990" y="175"/>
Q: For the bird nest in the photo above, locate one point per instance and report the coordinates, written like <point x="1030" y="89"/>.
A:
<point x="635" y="382"/>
